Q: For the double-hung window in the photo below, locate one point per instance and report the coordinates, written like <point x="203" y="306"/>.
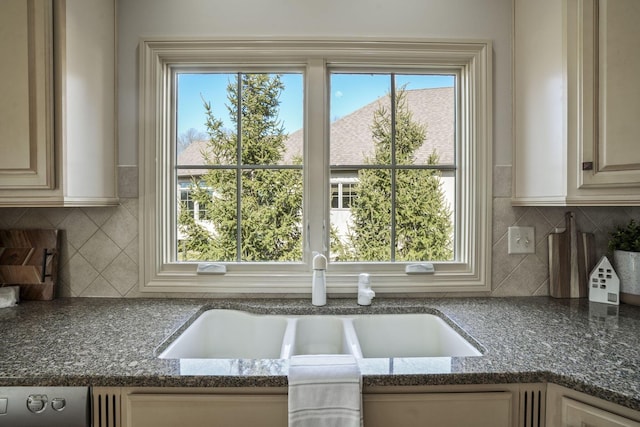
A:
<point x="376" y="154"/>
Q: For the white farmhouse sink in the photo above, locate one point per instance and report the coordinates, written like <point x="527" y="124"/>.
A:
<point x="231" y="334"/>
<point x="409" y="335"/>
<point x="319" y="335"/>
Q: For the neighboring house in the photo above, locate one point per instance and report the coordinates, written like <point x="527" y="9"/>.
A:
<point x="351" y="144"/>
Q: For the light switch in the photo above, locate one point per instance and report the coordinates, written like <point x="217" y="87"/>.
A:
<point x="522" y="240"/>
<point x="4" y="402"/>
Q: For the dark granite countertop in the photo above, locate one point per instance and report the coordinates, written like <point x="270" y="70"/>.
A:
<point x="592" y="348"/>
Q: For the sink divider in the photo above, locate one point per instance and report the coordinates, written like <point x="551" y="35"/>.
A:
<point x="349" y="337"/>
<point x="288" y="340"/>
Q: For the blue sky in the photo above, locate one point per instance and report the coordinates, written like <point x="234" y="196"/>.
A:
<point x="348" y="93"/>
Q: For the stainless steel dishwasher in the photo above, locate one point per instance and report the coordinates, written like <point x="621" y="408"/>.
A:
<point x="45" y="407"/>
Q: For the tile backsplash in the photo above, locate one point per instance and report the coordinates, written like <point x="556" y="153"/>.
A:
<point x="527" y="275"/>
<point x="99" y="255"/>
<point x="100" y="245"/>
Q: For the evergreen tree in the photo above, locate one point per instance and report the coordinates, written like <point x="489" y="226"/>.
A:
<point x="271" y="201"/>
<point x="423" y="218"/>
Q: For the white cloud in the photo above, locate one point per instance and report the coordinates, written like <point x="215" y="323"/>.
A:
<point x="338" y="94"/>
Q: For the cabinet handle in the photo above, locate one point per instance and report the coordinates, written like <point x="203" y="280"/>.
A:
<point x="44" y="274"/>
<point x="587" y="166"/>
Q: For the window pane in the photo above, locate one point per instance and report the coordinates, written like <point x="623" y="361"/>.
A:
<point x="424" y="221"/>
<point x="202" y="195"/>
<point x="271" y="108"/>
<point x="271" y="218"/>
<point x="355" y="101"/>
<point x="291" y="117"/>
<point x="201" y="114"/>
<point x="270" y="201"/>
<point x="418" y="131"/>
<point x="207" y="114"/>
<point x="363" y="232"/>
<point x="425" y="119"/>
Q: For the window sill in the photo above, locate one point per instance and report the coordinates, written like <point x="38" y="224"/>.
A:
<point x="300" y="283"/>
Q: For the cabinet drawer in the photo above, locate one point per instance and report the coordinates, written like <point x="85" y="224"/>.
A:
<point x="169" y="410"/>
<point x="578" y="414"/>
<point x="490" y="409"/>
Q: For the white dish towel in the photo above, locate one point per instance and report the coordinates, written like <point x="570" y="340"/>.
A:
<point x="325" y="391"/>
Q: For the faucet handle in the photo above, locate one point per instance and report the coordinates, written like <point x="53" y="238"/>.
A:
<point x="365" y="293"/>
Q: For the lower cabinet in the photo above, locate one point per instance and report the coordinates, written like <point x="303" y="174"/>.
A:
<point x="569" y="408"/>
<point x="438" y="406"/>
<point x="579" y="414"/>
<point x="159" y="410"/>
<point x="494" y="405"/>
<point x="477" y="409"/>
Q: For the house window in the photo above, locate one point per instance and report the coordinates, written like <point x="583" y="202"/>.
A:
<point x="343" y="192"/>
<point x="374" y="153"/>
<point x="186" y="203"/>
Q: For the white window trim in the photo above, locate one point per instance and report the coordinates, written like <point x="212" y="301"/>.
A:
<point x="471" y="272"/>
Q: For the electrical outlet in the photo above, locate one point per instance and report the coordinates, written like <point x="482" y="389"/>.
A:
<point x="522" y="240"/>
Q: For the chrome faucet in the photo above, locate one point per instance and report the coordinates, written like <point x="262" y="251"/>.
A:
<point x="365" y="293"/>
<point x="319" y="280"/>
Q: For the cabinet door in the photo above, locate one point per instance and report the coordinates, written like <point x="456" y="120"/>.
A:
<point x="87" y="91"/>
<point x="578" y="414"/>
<point x="210" y="410"/>
<point x="611" y="150"/>
<point x="491" y="409"/>
<point x="26" y="103"/>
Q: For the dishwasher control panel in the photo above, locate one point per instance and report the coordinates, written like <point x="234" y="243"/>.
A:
<point x="45" y="406"/>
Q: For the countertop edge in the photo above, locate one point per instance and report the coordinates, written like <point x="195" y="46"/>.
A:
<point x="368" y="381"/>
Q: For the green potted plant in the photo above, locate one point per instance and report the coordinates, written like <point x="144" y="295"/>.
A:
<point x="625" y="245"/>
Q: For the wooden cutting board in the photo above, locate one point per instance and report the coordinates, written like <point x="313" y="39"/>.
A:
<point x="571" y="258"/>
<point x="29" y="258"/>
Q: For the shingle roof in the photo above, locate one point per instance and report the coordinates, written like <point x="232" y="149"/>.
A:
<point x="351" y="137"/>
<point x="192" y="155"/>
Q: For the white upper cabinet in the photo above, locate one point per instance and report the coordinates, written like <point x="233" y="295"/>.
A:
<point x="576" y="102"/>
<point x="26" y="95"/>
<point x="57" y="104"/>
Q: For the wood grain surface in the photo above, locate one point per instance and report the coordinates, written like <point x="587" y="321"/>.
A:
<point x="29" y="258"/>
<point x="571" y="259"/>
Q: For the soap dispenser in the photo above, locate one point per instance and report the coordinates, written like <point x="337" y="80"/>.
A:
<point x="365" y="293"/>
<point x="319" y="280"/>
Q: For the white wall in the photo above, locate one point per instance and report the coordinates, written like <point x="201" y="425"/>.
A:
<point x="451" y="19"/>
